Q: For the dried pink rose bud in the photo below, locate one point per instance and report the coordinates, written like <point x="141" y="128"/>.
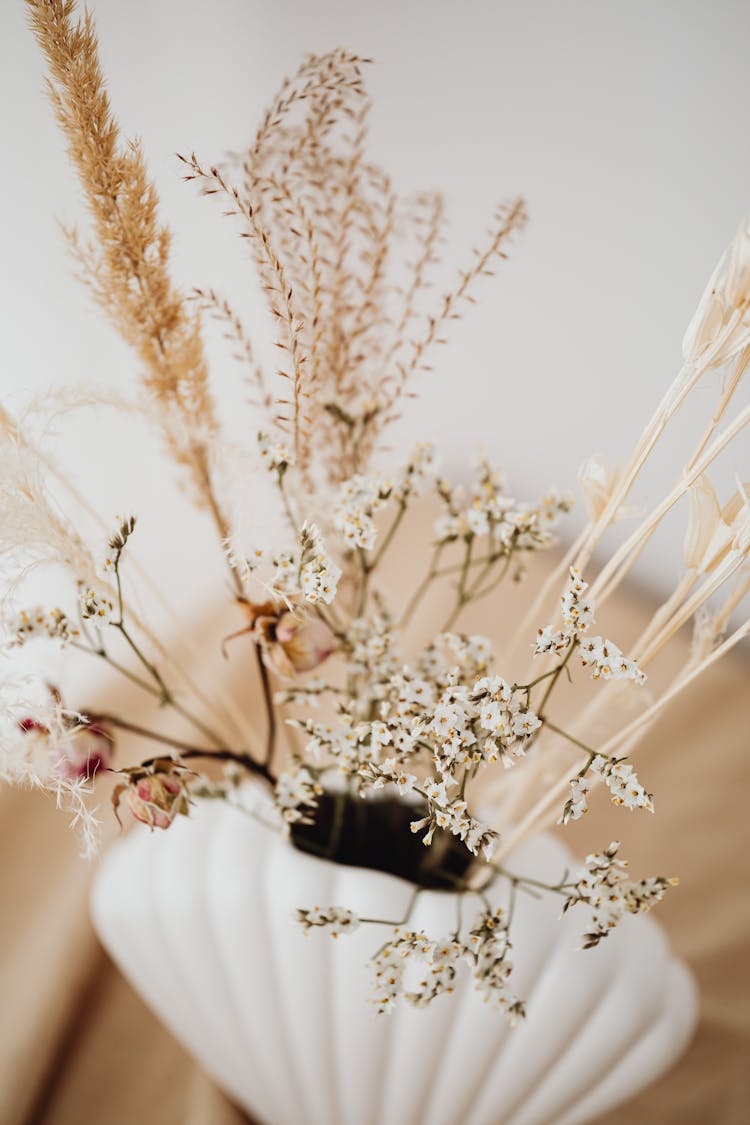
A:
<point x="158" y="798"/>
<point x="82" y="750"/>
<point x="301" y="644"/>
<point x="32" y="726"/>
<point x="88" y="751"/>
<point x="291" y="640"/>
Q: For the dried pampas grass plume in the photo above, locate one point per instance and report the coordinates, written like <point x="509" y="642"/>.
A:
<point x="127" y="264"/>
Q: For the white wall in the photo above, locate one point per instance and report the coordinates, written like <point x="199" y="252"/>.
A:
<point x="625" y="126"/>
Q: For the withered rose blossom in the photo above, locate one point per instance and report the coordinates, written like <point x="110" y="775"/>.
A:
<point x="292" y="640"/>
<point x="88" y="752"/>
<point x="83" y="751"/>
<point x="158" y="798"/>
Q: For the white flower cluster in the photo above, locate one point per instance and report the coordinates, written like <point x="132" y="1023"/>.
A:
<point x="244" y="564"/>
<point x="307" y="694"/>
<point x="436" y="963"/>
<point x="466" y="725"/>
<point x="116" y="544"/>
<point x="490" y="946"/>
<point x="29" y="624"/>
<point x="473" y="653"/>
<point x="374" y="656"/>
<point x="274" y="454"/>
<point x="577" y="803"/>
<point x="488" y="510"/>
<point x="295" y="792"/>
<point x="452" y="815"/>
<point x="412" y="478"/>
<point x="444" y="714"/>
<point x="361" y="497"/>
<point x="319" y="575"/>
<point x="603" y="656"/>
<point x="352" y="745"/>
<point x="608" y="662"/>
<point x="334" y="921"/>
<point x="358" y="500"/>
<point x="608" y="892"/>
<point x="619" y="777"/>
<point x="95" y="606"/>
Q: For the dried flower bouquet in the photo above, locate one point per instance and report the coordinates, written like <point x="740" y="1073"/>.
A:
<point x="430" y="764"/>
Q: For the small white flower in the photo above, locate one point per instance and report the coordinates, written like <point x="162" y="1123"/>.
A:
<point x="577" y="804"/>
<point x="95" y="606"/>
<point x="621" y="780"/>
<point x="274" y="454"/>
<point x="319" y="574"/>
<point x="295" y="792"/>
<point x="28" y="624"/>
<point x="358" y="501"/>
<point x="334" y="920"/>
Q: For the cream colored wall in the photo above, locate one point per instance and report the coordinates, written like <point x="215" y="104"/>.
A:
<point x="625" y="125"/>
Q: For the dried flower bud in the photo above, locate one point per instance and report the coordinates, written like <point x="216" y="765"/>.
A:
<point x="302" y="643"/>
<point x="703" y="522"/>
<point x="720" y="327"/>
<point x="32" y="726"/>
<point x="736" y="516"/>
<point x="158" y="798"/>
<point x="713" y="531"/>
<point x="292" y="641"/>
<point x="89" y="751"/>
<point x="598" y="481"/>
<point x="77" y="751"/>
<point x="95" y="606"/>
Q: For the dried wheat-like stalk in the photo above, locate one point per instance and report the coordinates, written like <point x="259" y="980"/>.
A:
<point x="278" y="289"/>
<point x="127" y="263"/>
<point x="221" y="310"/>
<point x="510" y="219"/>
<point x="325" y="223"/>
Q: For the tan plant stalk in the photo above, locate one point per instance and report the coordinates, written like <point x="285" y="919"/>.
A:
<point x="545" y="809"/>
<point x="324" y="80"/>
<point x="510" y="219"/>
<point x="729" y="567"/>
<point x="221" y="310"/>
<point x="664" y="613"/>
<point x="618" y="563"/>
<point x="296" y="231"/>
<point x="231" y="713"/>
<point x="667" y="408"/>
<point x="127" y="266"/>
<point x="732" y="383"/>
<point x="432" y="224"/>
<point x="280" y="292"/>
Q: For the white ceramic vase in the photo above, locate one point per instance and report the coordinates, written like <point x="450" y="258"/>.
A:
<point x="199" y="920"/>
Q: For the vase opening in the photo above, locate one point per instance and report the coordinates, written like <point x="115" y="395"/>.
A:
<point x="375" y="832"/>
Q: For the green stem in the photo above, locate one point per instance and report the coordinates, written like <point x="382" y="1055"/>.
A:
<point x="402" y="922"/>
<point x="269" y="707"/>
<point x="223" y="755"/>
<point x="555" y="677"/>
<point x="104" y="655"/>
<point x="143" y="732"/>
<point x="422" y="587"/>
<point x="461" y="597"/>
<point x="524" y="880"/>
<point x="576" y="742"/>
<point x="364" y="587"/>
<point x="391" y="532"/>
